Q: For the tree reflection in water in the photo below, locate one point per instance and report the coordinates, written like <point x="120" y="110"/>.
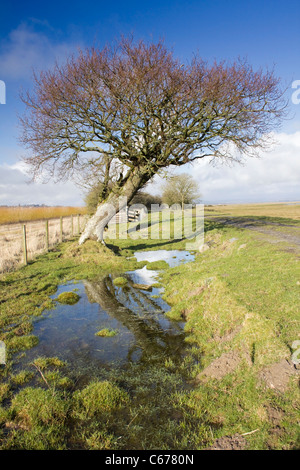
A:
<point x="142" y="315"/>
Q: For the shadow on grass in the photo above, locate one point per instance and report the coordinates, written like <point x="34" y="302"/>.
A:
<point x="149" y="243"/>
<point x="144" y="246"/>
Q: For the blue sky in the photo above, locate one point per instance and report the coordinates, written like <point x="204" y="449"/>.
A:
<point x="34" y="34"/>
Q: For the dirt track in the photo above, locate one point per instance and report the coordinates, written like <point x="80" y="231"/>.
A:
<point x="273" y="232"/>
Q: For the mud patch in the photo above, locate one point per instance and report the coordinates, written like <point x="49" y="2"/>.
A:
<point x="278" y="375"/>
<point x="229" y="336"/>
<point x="235" y="442"/>
<point x="275" y="415"/>
<point x="197" y="291"/>
<point x="220" y="367"/>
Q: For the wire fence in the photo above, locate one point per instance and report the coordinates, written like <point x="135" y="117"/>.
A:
<point x="20" y="243"/>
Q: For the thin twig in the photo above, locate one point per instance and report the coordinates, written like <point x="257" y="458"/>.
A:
<point x="251" y="432"/>
<point x="132" y="420"/>
<point x="42" y="375"/>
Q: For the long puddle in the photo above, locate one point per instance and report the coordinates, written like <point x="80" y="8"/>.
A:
<point x="136" y="314"/>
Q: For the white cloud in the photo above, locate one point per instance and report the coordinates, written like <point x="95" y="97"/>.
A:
<point x="31" y="45"/>
<point x="26" y="49"/>
<point x="16" y="189"/>
<point x="275" y="176"/>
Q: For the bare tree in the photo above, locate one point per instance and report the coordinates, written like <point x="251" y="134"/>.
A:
<point x="180" y="189"/>
<point x="136" y="104"/>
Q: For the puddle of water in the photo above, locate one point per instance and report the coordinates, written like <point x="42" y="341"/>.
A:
<point x="172" y="257"/>
<point x="143" y="276"/>
<point x="143" y="331"/>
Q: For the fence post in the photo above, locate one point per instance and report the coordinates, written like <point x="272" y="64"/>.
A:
<point x="78" y="224"/>
<point x="47" y="235"/>
<point x="61" y="230"/>
<point x="72" y="227"/>
<point x="24" y="244"/>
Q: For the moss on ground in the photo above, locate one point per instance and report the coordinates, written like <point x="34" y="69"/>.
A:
<point x="69" y="298"/>
<point x="120" y="281"/>
<point x="157" y="265"/>
<point x="106" y="332"/>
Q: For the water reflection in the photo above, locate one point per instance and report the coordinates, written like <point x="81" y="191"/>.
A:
<point x="172" y="257"/>
<point x="138" y="315"/>
<point x="136" y="312"/>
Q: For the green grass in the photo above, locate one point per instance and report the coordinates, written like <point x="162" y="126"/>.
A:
<point x="243" y="300"/>
<point x="239" y="296"/>
<point x="69" y="298"/>
<point x="106" y="332"/>
<point x="120" y="281"/>
<point x="157" y="265"/>
<point x="97" y="398"/>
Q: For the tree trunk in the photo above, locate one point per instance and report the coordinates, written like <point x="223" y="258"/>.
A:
<point x="115" y="202"/>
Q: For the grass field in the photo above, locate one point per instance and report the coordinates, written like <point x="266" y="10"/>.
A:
<point x="11" y="214"/>
<point x="240" y="303"/>
<point x="278" y="210"/>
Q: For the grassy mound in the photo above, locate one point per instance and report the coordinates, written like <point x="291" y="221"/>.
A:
<point x="69" y="298"/>
<point x="157" y="265"/>
<point x="120" y="281"/>
<point x="106" y="332"/>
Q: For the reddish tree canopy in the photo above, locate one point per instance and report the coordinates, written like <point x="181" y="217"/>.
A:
<point x="136" y="104"/>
